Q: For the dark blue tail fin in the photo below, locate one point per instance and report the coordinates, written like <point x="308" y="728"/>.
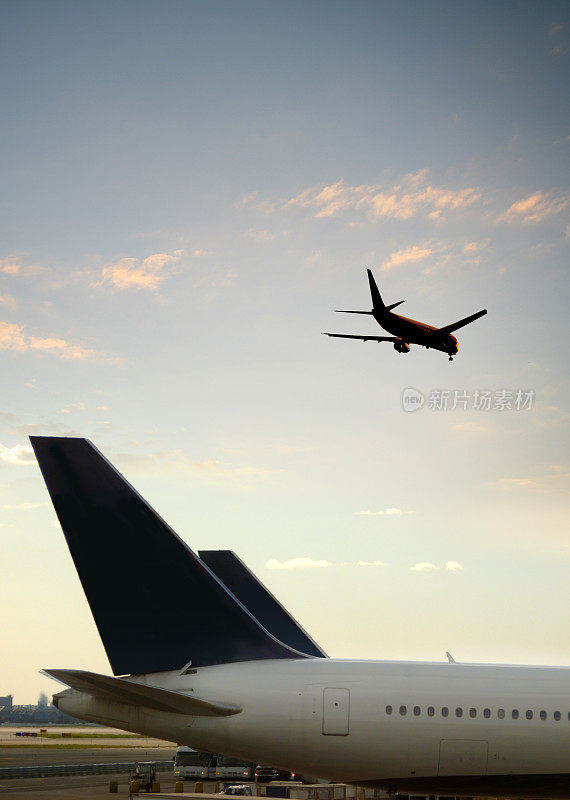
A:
<point x="259" y="601"/>
<point x="157" y="606"/>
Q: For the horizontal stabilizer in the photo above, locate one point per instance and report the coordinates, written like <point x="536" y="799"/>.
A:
<point x="156" y="605"/>
<point x="136" y="694"/>
<point x="393" y="305"/>
<point x="259" y="601"/>
<point x="365" y="338"/>
<point x="344" y="311"/>
<point x="456" y="325"/>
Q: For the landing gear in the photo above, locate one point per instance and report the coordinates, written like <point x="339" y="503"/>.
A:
<point x="451" y="358"/>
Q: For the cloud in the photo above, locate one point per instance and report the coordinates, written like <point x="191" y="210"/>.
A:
<point x="13" y="337"/>
<point x="7" y="300"/>
<point x="474" y="427"/>
<point x="79" y="406"/>
<point x="23" y="506"/>
<point x="10" y="265"/>
<point x="61" y="348"/>
<point x="535" y="208"/>
<point x="132" y="273"/>
<point x="470" y="248"/>
<point x="376" y="563"/>
<point x="177" y="461"/>
<point x="423" y="566"/>
<point x="413" y="195"/>
<point x="20" y="454"/>
<point x="264" y="235"/>
<point x="453" y="566"/>
<point x="41" y="429"/>
<point x="298" y="563"/>
<point x="517" y="481"/>
<point x="410" y="254"/>
<point x="388" y="512"/>
<point x="7" y="418"/>
<point x="552" y="479"/>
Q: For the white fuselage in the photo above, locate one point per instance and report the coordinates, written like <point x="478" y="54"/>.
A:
<point x="332" y="718"/>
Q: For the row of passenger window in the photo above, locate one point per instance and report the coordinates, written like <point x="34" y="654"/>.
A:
<point x="501" y="713"/>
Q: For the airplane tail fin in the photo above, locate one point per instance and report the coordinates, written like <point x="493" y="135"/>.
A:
<point x="157" y="606"/>
<point x="377" y="302"/>
<point x="249" y="590"/>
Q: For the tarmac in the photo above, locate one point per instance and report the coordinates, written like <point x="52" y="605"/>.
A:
<point x="85" y="746"/>
<point x="76" y="787"/>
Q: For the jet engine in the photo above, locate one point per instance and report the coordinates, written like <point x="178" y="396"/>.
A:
<point x="402" y="347"/>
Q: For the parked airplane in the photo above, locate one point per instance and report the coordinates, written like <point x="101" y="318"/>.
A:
<point x="197" y="666"/>
<point x="407" y="331"/>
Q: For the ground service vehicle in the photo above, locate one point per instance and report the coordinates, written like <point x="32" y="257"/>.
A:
<point x="265" y="774"/>
<point x="145" y="774"/>
<point x="239" y="789"/>
<point x="228" y="768"/>
<point x="189" y="763"/>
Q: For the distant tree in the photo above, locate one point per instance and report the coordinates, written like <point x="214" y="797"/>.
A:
<point x="43" y="700"/>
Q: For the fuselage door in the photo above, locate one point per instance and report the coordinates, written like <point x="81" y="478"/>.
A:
<point x="462" y="757"/>
<point x="336" y="712"/>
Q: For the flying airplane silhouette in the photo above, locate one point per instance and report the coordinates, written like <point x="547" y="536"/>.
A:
<point x="407" y="331"/>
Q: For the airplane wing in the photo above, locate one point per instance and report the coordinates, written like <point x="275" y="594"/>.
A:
<point x="123" y="691"/>
<point x="365" y="338"/>
<point x="455" y="325"/>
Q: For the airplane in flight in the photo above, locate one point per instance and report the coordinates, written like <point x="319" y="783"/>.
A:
<point x="203" y="655"/>
<point x="407" y="331"/>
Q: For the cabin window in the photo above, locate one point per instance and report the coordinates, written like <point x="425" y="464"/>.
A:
<point x="515" y="713"/>
<point x="486" y="713"/>
<point x="431" y="711"/>
<point x="388" y="709"/>
<point x="417" y="711"/>
<point x="472" y="713"/>
<point x="458" y="712"/>
<point x="403" y="711"/>
<point x="528" y="714"/>
<point x="543" y="715"/>
<point x="501" y="713"/>
<point x="556" y="715"/>
<point x="444" y="711"/>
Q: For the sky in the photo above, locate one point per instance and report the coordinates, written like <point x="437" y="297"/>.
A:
<point x="189" y="191"/>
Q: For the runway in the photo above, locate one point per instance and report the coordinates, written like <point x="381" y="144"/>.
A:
<point x="31" y="757"/>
